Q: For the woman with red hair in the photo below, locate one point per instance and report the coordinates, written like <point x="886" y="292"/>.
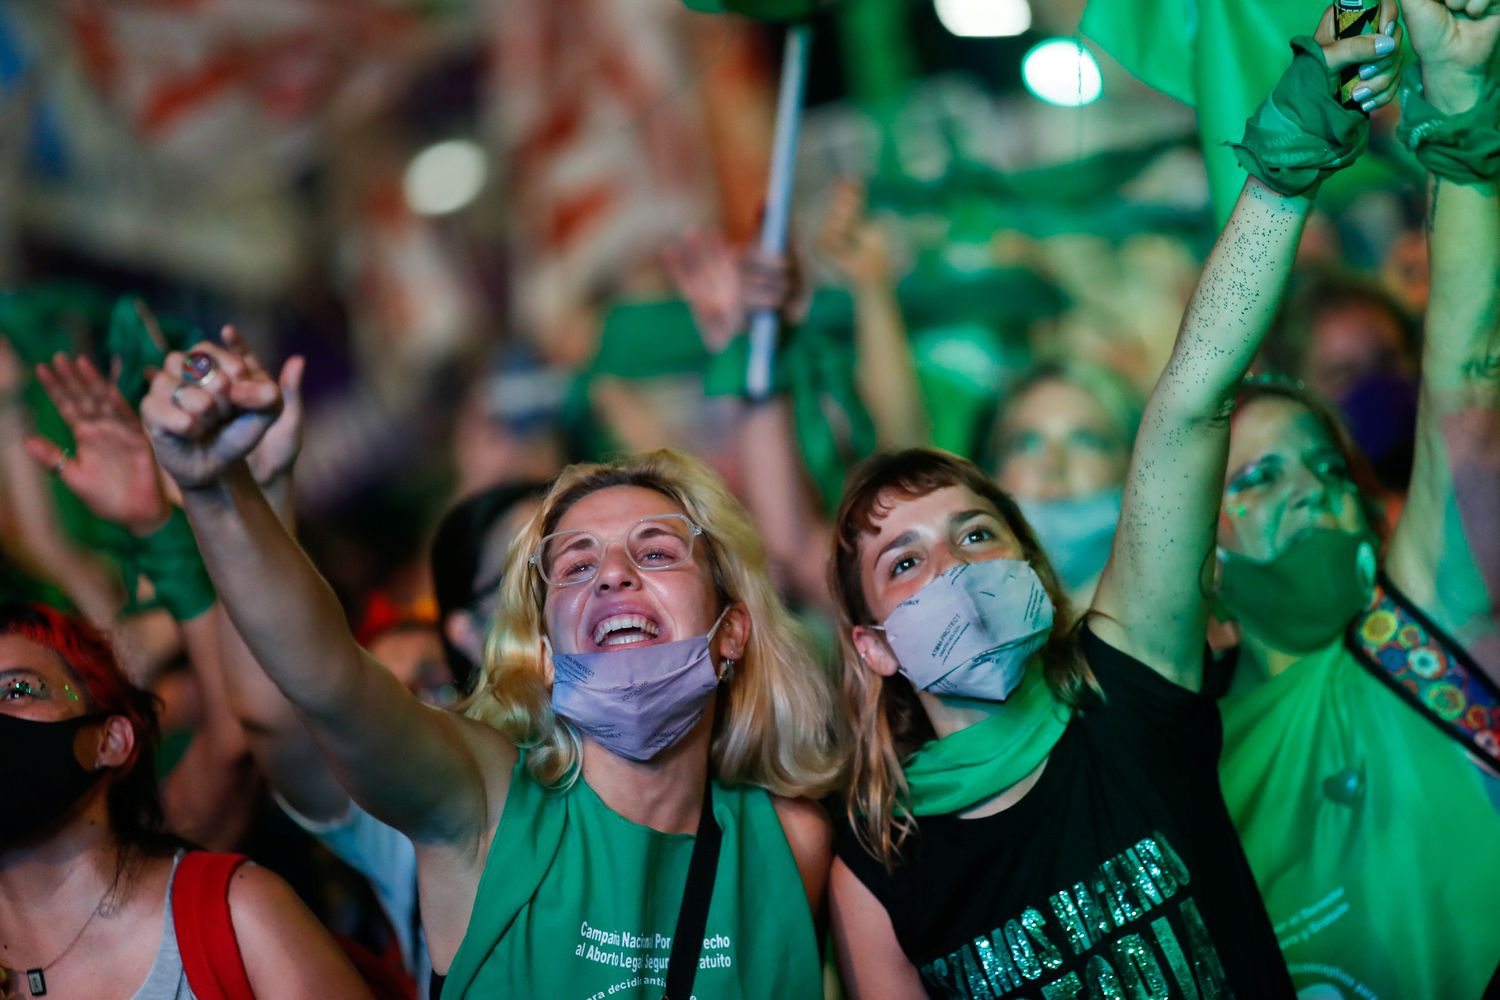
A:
<point x="95" y="899"/>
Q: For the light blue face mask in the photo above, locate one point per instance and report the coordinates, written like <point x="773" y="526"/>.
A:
<point x="969" y="632"/>
<point x="1076" y="533"/>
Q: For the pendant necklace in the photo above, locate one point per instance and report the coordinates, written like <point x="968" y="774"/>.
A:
<point x="36" y="979"/>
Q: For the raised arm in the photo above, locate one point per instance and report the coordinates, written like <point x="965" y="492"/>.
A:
<point x="36" y="534"/>
<point x="280" y="741"/>
<point x="1445" y="551"/>
<point x="1152" y="598"/>
<point x="414" y="767"/>
<point x="885" y="371"/>
<point x="776" y="491"/>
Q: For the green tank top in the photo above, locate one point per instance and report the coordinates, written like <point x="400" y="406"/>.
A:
<point x="1370" y="832"/>
<point x="578" y="903"/>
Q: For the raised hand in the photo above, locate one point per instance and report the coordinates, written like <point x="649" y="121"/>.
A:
<point x="201" y="428"/>
<point x="707" y="276"/>
<point x="851" y="240"/>
<point x="113" y="470"/>
<point x="1378" y="56"/>
<point x="722" y="287"/>
<point x="774" y="281"/>
<point x="272" y="459"/>
<point x="1455" y="39"/>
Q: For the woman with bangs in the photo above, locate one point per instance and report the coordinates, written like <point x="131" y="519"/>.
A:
<point x="625" y="804"/>
<point x="1037" y="813"/>
<point x="92" y="895"/>
<point x="1030" y="807"/>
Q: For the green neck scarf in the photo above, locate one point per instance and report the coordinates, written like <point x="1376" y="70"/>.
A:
<point x="977" y="763"/>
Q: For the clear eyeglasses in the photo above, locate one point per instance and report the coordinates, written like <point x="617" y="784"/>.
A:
<point x="568" y="558"/>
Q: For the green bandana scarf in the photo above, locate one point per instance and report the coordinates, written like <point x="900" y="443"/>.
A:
<point x="1301" y="135"/>
<point x="982" y="761"/>
<point x="1464" y="148"/>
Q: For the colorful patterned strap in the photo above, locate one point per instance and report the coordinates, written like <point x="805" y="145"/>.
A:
<point x="1431" y="672"/>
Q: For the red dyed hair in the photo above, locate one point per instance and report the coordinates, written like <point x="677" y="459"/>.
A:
<point x="134" y="799"/>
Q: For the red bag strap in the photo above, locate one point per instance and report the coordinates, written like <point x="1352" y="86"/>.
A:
<point x="205" y="935"/>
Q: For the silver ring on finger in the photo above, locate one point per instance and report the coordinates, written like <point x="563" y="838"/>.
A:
<point x="198" y="369"/>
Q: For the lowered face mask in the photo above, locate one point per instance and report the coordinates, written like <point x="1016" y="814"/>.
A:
<point x="637" y="701"/>
<point x="970" y="632"/>
<point x="1076" y="533"/>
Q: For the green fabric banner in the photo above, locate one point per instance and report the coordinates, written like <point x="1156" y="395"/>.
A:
<point x="1222" y="58"/>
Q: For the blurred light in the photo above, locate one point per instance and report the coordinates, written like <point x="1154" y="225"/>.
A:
<point x="984" y="18"/>
<point x="445" y="177"/>
<point x="1061" y="71"/>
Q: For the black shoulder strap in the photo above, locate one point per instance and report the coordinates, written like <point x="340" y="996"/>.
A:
<point x="692" y="919"/>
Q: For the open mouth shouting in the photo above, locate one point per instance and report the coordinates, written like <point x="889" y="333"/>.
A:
<point x="624" y="628"/>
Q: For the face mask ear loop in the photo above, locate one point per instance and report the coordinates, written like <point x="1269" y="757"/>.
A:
<point x="547" y="654"/>
<point x="722" y="670"/>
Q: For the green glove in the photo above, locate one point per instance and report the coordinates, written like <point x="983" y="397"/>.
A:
<point x="1301" y="135"/>
<point x="1464" y="148"/>
<point x="169" y="559"/>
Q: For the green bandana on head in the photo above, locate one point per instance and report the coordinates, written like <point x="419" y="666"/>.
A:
<point x="974" y="764"/>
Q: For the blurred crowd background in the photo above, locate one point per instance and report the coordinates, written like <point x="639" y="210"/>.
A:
<point x="492" y="229"/>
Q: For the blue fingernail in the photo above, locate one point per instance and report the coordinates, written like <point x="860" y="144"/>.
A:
<point x="1384" y="45"/>
<point x="1368" y="106"/>
<point x="1362" y="93"/>
<point x="1365" y="72"/>
<point x="1390" y="29"/>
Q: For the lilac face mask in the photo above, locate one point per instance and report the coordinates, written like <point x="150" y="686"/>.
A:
<point x="969" y="632"/>
<point x="637" y="701"/>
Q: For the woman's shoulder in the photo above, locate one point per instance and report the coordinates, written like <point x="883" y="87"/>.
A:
<point x="805" y="822"/>
<point x="809" y="834"/>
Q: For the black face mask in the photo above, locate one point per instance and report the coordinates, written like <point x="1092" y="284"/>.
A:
<point x="40" y="774"/>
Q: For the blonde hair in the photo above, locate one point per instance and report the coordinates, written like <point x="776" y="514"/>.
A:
<point x="888" y="721"/>
<point x="776" y="728"/>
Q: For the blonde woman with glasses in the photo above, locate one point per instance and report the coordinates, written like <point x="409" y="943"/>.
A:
<point x="624" y="810"/>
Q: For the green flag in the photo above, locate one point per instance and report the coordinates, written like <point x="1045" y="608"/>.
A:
<point x="1222" y="58"/>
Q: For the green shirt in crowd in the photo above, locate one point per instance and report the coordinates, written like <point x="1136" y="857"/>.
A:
<point x="578" y="903"/>
<point x="1370" y="832"/>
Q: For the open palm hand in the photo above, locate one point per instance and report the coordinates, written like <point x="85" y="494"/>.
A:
<point x="112" y="469"/>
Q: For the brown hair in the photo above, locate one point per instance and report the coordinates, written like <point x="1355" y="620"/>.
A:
<point x="889" y="722"/>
